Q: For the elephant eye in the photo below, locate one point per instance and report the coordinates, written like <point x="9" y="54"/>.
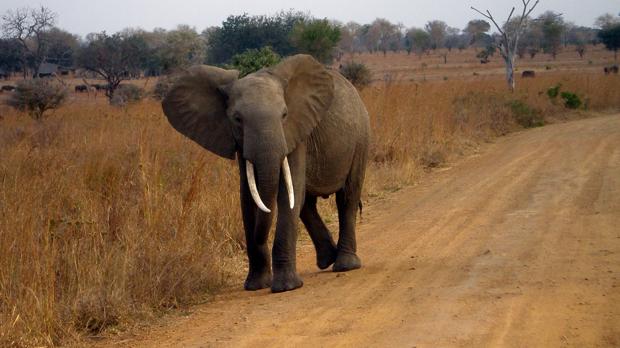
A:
<point x="284" y="114"/>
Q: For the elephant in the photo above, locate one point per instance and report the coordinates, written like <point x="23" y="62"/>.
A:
<point x="299" y="131"/>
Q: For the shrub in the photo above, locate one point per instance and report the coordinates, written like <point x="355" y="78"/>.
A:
<point x="126" y="94"/>
<point x="526" y="116"/>
<point x="253" y="60"/>
<point x="359" y="75"/>
<point x="571" y="100"/>
<point x="317" y="37"/>
<point x="37" y="96"/>
<point x="554" y="91"/>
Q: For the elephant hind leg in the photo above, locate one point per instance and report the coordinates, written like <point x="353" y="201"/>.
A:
<point x="319" y="233"/>
<point x="348" y="200"/>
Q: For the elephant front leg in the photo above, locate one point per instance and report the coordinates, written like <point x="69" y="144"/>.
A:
<point x="319" y="233"/>
<point x="256" y="226"/>
<point x="285" y="275"/>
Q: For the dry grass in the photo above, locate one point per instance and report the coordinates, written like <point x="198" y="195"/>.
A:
<point x="108" y="216"/>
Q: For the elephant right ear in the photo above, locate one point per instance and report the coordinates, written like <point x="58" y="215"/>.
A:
<point x="197" y="109"/>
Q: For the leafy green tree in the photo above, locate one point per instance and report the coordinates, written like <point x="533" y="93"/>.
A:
<point x="610" y="36"/>
<point x="316" y="37"/>
<point x="253" y="60"/>
<point x="239" y="33"/>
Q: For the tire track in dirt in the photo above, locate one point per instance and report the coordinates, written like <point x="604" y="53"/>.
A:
<point x="519" y="246"/>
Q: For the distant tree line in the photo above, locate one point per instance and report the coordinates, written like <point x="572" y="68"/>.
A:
<point x="30" y="39"/>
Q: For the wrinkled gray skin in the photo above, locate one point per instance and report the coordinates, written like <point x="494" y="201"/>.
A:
<point x="299" y="110"/>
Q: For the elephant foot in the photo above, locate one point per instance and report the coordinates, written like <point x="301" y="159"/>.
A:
<point x="347" y="262"/>
<point x="326" y="257"/>
<point x="286" y="282"/>
<point x="257" y="281"/>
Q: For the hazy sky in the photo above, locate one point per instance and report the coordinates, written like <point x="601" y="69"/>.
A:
<point x="85" y="16"/>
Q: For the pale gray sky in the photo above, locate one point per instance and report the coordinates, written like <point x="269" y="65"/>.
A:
<point x="85" y="16"/>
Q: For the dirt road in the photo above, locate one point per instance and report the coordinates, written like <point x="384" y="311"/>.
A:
<point x="517" y="247"/>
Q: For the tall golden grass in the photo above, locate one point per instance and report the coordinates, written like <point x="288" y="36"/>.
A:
<point x="108" y="216"/>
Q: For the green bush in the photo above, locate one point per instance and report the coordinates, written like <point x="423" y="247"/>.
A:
<point x="357" y="73"/>
<point x="253" y="60"/>
<point x="571" y="100"/>
<point x="37" y="96"/>
<point x="126" y="94"/>
<point x="526" y="116"/>
<point x="553" y="92"/>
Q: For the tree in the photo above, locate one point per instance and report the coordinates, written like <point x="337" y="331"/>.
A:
<point x="509" y="39"/>
<point x="239" y="33"/>
<point x="348" y="37"/>
<point x="607" y="20"/>
<point x="114" y="57"/>
<point x="316" y="37"/>
<point x="437" y="31"/>
<point x="10" y="55"/>
<point x="60" y="47"/>
<point x="253" y="60"/>
<point x="553" y="27"/>
<point x="28" y="26"/>
<point x="453" y="38"/>
<point x="382" y="36"/>
<point x="419" y="40"/>
<point x="181" y="48"/>
<point x="38" y="96"/>
<point x="477" y="29"/>
<point x="610" y="36"/>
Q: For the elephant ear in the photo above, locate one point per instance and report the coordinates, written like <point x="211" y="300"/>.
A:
<point x="309" y="90"/>
<point x="197" y="109"/>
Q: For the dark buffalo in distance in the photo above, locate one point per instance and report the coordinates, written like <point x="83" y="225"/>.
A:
<point x="81" y="88"/>
<point x="528" y="74"/>
<point x="611" y="69"/>
<point x="8" y="88"/>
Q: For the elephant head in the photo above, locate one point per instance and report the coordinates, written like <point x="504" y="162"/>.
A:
<point x="262" y="117"/>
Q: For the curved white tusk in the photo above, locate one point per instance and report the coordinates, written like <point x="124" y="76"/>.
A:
<point x="289" y="182"/>
<point x="249" y="170"/>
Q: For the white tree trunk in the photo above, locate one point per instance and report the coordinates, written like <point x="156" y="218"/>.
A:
<point x="510" y="71"/>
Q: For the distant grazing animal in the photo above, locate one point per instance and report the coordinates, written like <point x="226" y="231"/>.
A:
<point x="8" y="88"/>
<point x="484" y="61"/>
<point x="611" y="69"/>
<point x="528" y="74"/>
<point x="81" y="88"/>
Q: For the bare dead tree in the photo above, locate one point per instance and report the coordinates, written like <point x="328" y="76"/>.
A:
<point x="509" y="39"/>
<point x="28" y="27"/>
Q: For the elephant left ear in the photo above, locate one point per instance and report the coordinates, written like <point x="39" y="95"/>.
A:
<point x="309" y="90"/>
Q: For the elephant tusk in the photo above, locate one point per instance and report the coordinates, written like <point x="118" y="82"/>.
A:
<point x="249" y="170"/>
<point x="289" y="182"/>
